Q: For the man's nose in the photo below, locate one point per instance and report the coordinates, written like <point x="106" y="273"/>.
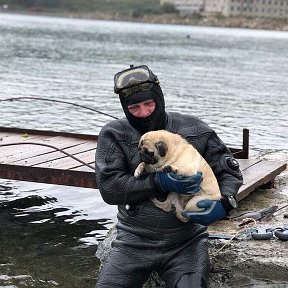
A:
<point x="143" y="111"/>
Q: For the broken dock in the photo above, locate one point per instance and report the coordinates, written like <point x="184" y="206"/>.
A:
<point x="69" y="159"/>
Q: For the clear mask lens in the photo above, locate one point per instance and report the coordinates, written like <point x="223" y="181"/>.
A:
<point x="133" y="79"/>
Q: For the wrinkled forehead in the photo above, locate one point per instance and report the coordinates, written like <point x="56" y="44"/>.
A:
<point x="144" y="140"/>
<point x="149" y="139"/>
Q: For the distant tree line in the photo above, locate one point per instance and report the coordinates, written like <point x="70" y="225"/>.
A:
<point x="138" y="7"/>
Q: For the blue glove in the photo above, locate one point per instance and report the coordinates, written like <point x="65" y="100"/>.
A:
<point x="214" y="211"/>
<point x="170" y="182"/>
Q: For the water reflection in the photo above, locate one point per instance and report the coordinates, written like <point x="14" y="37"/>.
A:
<point x="49" y="234"/>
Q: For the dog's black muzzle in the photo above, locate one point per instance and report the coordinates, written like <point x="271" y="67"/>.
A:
<point x="147" y="157"/>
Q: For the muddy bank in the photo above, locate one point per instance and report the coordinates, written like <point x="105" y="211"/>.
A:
<point x="245" y="262"/>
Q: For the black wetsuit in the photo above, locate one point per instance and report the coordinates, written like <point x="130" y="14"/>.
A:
<point x="149" y="239"/>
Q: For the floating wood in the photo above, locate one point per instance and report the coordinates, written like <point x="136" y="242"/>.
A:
<point x="45" y="157"/>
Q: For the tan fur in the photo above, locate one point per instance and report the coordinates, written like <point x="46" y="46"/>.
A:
<point x="184" y="159"/>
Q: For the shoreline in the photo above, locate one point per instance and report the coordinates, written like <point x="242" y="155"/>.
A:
<point x="172" y="19"/>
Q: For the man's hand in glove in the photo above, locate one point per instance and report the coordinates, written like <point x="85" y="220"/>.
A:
<point x="213" y="211"/>
<point x="170" y="182"/>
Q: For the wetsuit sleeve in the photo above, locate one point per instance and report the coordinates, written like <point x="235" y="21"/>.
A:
<point x="116" y="183"/>
<point x="224" y="166"/>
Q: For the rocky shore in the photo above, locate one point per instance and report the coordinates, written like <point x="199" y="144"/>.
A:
<point x="209" y="21"/>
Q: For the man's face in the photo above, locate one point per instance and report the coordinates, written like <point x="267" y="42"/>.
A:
<point x="142" y="109"/>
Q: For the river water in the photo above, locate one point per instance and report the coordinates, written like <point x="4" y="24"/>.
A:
<point x="231" y="78"/>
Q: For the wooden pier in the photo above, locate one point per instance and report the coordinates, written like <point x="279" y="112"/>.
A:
<point x="44" y="156"/>
<point x="69" y="159"/>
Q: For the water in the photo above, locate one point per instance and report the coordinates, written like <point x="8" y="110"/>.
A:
<point x="49" y="235"/>
<point x="231" y="78"/>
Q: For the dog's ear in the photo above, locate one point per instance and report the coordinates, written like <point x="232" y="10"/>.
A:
<point x="140" y="144"/>
<point x="162" y="148"/>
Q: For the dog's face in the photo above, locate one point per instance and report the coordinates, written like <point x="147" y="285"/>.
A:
<point x="152" y="148"/>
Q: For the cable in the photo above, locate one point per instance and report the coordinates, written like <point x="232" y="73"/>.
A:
<point x="50" y="146"/>
<point x="58" y="101"/>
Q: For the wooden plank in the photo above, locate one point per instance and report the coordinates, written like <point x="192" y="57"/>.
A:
<point x="28" y="152"/>
<point x="17" y="149"/>
<point x="37" y="150"/>
<point x="54" y="155"/>
<point x="247" y="163"/>
<point x="46" y="133"/>
<point x="49" y="176"/>
<point x="259" y="174"/>
<point x="85" y="168"/>
<point x="7" y="135"/>
<point x="13" y="138"/>
<point x="69" y="163"/>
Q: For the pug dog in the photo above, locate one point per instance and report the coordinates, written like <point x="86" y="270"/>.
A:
<point x="165" y="151"/>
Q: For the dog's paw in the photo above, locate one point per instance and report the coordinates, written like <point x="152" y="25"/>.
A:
<point x="167" y="169"/>
<point x="139" y="170"/>
<point x="138" y="173"/>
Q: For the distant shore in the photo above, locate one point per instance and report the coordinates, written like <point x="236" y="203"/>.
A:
<point x="209" y="21"/>
<point x="232" y="22"/>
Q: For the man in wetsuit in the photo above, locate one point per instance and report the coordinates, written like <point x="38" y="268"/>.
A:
<point x="149" y="239"/>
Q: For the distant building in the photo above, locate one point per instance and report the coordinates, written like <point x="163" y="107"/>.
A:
<point x="186" y="7"/>
<point x="214" y="7"/>
<point x="253" y="8"/>
<point x="257" y="8"/>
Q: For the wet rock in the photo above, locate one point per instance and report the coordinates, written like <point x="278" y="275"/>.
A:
<point x="248" y="262"/>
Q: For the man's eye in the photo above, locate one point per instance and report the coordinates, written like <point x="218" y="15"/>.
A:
<point x="132" y="108"/>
